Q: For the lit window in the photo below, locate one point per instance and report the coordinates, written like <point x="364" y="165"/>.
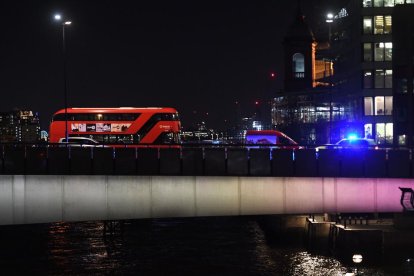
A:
<point x="368" y="106"/>
<point x="380" y="133"/>
<point x="388" y="79"/>
<point x="367" y="3"/>
<point x="388" y="105"/>
<point x="298" y="63"/>
<point x="383" y="79"/>
<point x="388" y="3"/>
<point x="379" y="51"/>
<point x="389" y="133"/>
<point x="378" y="24"/>
<point x="379" y="105"/>
<point x="379" y="78"/>
<point x="402" y="140"/>
<point x="399" y="2"/>
<point x="367" y="79"/>
<point x="382" y="24"/>
<point x="367" y="52"/>
<point x="388" y="51"/>
<point x="378" y="3"/>
<point x="384" y="133"/>
<point x="368" y="131"/>
<point x="367" y="25"/>
<point x="383" y="105"/>
<point x="388" y="24"/>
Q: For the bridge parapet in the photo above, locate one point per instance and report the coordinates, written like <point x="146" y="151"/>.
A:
<point x="51" y="198"/>
<point x="223" y="161"/>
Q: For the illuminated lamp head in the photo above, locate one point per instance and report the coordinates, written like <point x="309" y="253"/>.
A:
<point x="357" y="258"/>
<point x="352" y="136"/>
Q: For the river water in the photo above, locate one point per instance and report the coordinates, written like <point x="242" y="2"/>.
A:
<point x="191" y="246"/>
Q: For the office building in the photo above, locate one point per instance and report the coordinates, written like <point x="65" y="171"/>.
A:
<point x="19" y="126"/>
<point x="368" y="90"/>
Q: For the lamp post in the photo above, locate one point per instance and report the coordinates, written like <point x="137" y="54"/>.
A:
<point x="356" y="259"/>
<point x="329" y="20"/>
<point x="64" y="24"/>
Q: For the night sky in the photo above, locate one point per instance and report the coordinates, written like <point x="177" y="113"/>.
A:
<point x="197" y="56"/>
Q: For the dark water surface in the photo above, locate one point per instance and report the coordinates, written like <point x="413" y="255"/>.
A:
<point x="196" y="246"/>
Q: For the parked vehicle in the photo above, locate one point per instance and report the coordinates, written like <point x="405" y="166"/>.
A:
<point x="80" y="141"/>
<point x="271" y="138"/>
<point x="352" y="143"/>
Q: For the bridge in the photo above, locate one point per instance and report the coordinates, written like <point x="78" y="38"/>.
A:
<point x="48" y="184"/>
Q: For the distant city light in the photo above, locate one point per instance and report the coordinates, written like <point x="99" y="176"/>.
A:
<point x="342" y="13"/>
<point x="272" y="74"/>
<point x="256" y="102"/>
<point x="257" y="125"/>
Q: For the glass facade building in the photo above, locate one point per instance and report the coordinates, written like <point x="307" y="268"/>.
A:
<point x="369" y="92"/>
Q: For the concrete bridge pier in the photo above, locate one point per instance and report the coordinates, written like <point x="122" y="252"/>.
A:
<point x="376" y="239"/>
<point x="318" y="231"/>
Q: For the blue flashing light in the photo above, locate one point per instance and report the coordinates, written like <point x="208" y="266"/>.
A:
<point x="352" y="136"/>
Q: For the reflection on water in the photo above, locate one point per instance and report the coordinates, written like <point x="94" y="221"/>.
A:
<point x="303" y="263"/>
<point x="199" y="246"/>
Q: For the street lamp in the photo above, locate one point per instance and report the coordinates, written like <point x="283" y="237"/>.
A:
<point x="329" y="17"/>
<point x="64" y="24"/>
<point x="357" y="259"/>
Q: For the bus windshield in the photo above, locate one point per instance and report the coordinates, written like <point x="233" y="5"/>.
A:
<point x="270" y="137"/>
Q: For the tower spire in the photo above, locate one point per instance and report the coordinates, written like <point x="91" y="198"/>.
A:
<point x="299" y="9"/>
<point x="300" y="30"/>
<point x="299" y="48"/>
<point x="299" y="12"/>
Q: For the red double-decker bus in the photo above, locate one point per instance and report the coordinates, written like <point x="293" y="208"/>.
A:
<point x="122" y="125"/>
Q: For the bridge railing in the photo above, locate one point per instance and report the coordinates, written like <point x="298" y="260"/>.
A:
<point x="211" y="161"/>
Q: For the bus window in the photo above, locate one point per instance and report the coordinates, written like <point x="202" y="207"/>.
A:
<point x="270" y="137"/>
<point x="260" y="139"/>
